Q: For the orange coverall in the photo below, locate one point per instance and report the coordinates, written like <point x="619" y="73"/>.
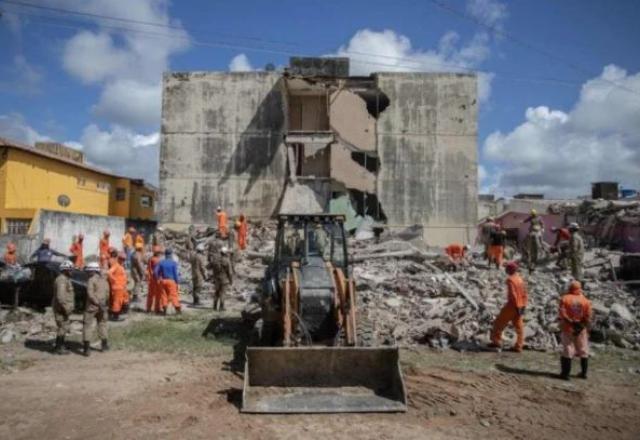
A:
<point x="139" y="241"/>
<point x="455" y="252"/>
<point x="155" y="298"/>
<point x="517" y="298"/>
<point x="574" y="308"/>
<point x="223" y="227"/>
<point x="170" y="293"/>
<point x="77" y="251"/>
<point x="104" y="252"/>
<point x="118" y="283"/>
<point x="242" y="234"/>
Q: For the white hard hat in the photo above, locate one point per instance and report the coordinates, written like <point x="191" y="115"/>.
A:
<point x="224" y="250"/>
<point x="92" y="267"/>
<point x="66" y="265"/>
<point x="200" y="247"/>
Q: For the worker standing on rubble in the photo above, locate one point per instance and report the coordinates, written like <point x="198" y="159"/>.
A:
<point x="485" y="235"/>
<point x="10" y="257"/>
<point x="96" y="307"/>
<point x="119" y="297"/>
<point x="103" y="249"/>
<point x="498" y="240"/>
<point x="137" y="270"/>
<point x="534" y="247"/>
<point x="221" y="218"/>
<point x="223" y="273"/>
<point x="77" y="251"/>
<point x="154" y="289"/>
<point x="62" y="305"/>
<point x="533" y="220"/>
<point x="575" y="316"/>
<point x="576" y="251"/>
<point x="127" y="244"/>
<point x="513" y="311"/>
<point x="44" y="253"/>
<point x="198" y="273"/>
<point x="242" y="228"/>
<point x="561" y="246"/>
<point x="166" y="272"/>
<point x="456" y="254"/>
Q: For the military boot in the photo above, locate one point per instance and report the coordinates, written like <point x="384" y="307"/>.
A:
<point x="584" y="366"/>
<point x="222" y="309"/>
<point x="105" y="345"/>
<point x="565" y="368"/>
<point x="59" y="347"/>
<point x="86" y="348"/>
<point x="215" y="304"/>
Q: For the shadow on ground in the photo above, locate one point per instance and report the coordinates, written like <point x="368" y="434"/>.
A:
<point x="534" y="373"/>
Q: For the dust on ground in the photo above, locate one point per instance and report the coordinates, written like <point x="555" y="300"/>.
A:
<point x="159" y="386"/>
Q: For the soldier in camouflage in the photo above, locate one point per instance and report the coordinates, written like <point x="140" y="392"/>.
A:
<point x="96" y="307"/>
<point x="62" y="305"/>
<point x="576" y="252"/>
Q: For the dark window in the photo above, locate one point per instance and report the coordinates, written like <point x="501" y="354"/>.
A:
<point x="121" y="194"/>
<point x="18" y="226"/>
<point x="146" y="201"/>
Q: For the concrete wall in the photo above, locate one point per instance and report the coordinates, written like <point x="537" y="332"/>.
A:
<point x="428" y="151"/>
<point x="222" y="144"/>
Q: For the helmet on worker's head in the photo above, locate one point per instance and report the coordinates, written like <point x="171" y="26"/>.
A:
<point x="511" y="267"/>
<point x="157" y="249"/>
<point x="168" y="252"/>
<point x="122" y="256"/>
<point x="92" y="267"/>
<point x="534" y="212"/>
<point x="466" y="247"/>
<point x="11" y="248"/>
<point x="237" y="224"/>
<point x="66" y="265"/>
<point x="574" y="226"/>
<point x="575" y="286"/>
<point x="200" y="247"/>
<point x="139" y="246"/>
<point x="224" y="250"/>
<point x="219" y="208"/>
<point x="132" y="229"/>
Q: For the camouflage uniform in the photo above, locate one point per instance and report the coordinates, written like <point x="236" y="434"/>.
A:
<point x="576" y="255"/>
<point x="137" y="273"/>
<point x="223" y="274"/>
<point x="63" y="303"/>
<point x="97" y="307"/>
<point x="198" y="275"/>
<point x="534" y="247"/>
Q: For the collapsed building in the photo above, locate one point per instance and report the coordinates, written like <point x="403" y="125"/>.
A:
<point x="398" y="147"/>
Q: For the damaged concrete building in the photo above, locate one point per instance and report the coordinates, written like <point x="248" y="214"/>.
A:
<point x="401" y="147"/>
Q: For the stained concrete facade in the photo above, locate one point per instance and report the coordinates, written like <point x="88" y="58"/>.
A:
<point x="401" y="145"/>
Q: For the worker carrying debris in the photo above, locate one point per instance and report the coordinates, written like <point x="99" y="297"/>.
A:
<point x="96" y="307"/>
<point x="198" y="273"/>
<point x="221" y="218"/>
<point x="137" y="271"/>
<point x="166" y="272"/>
<point x="119" y="297"/>
<point x="576" y="251"/>
<point x="44" y="253"/>
<point x="497" y="241"/>
<point x="456" y="254"/>
<point x="10" y="257"/>
<point x="77" y="251"/>
<point x="103" y="249"/>
<point x="575" y="316"/>
<point x="62" y="305"/>
<point x="561" y="246"/>
<point x="513" y="311"/>
<point x="223" y="275"/>
<point x="154" y="288"/>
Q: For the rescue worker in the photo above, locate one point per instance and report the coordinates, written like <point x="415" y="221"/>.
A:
<point x="485" y="235"/>
<point x="77" y="251"/>
<point x="139" y="241"/>
<point x="44" y="253"/>
<point x="166" y="272"/>
<point x="103" y="249"/>
<point x="221" y="218"/>
<point x="456" y="254"/>
<point x="191" y="242"/>
<point x="96" y="307"/>
<point x="576" y="252"/>
<point x="561" y="246"/>
<point x="127" y="244"/>
<point x="137" y="271"/>
<point x="10" y="257"/>
<point x="223" y="273"/>
<point x="513" y="311"/>
<point x="243" y="229"/>
<point x="534" y="247"/>
<point x="62" y="305"/>
<point x="198" y="273"/>
<point x="533" y="220"/>
<point x="119" y="297"/>
<point x="497" y="242"/>
<point x="154" y="289"/>
<point x="575" y="316"/>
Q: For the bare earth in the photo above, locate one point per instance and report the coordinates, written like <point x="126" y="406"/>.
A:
<point x="124" y="394"/>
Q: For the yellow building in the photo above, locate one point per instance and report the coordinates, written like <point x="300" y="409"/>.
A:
<point x="54" y="177"/>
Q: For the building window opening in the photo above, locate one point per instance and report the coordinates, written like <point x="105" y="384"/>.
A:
<point x="146" y="201"/>
<point x="371" y="163"/>
<point x="18" y="226"/>
<point x="121" y="194"/>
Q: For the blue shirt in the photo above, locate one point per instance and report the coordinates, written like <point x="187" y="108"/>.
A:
<point x="44" y="254"/>
<point x="167" y="269"/>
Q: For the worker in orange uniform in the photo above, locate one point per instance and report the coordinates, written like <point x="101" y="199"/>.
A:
<point x="575" y="316"/>
<point x="497" y="241"/>
<point x="139" y="241"/>
<point x="10" y="257"/>
<point x="456" y="254"/>
<point x="513" y="310"/>
<point x="166" y="272"/>
<point x="77" y="251"/>
<point x="221" y="218"/>
<point x="154" y="288"/>
<point x="561" y="246"/>
<point x="117" y="277"/>
<point x="242" y="227"/>
<point x="127" y="244"/>
<point x="103" y="249"/>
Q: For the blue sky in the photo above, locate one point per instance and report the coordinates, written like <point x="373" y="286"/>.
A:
<point x="560" y="79"/>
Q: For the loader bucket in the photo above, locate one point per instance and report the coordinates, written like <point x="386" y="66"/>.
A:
<point x="323" y="380"/>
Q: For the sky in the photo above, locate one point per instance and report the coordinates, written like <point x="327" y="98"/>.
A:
<point x="558" y="80"/>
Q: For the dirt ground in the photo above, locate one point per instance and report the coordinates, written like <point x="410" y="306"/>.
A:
<point x="132" y="393"/>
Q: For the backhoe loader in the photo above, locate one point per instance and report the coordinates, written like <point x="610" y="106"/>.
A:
<point x="310" y="355"/>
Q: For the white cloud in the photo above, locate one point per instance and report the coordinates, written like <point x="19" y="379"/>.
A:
<point x="560" y="153"/>
<point x="130" y="103"/>
<point x="240" y="63"/>
<point x="488" y="12"/>
<point x="14" y="127"/>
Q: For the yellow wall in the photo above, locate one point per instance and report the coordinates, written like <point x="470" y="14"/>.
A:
<point x="120" y="208"/>
<point x="136" y="210"/>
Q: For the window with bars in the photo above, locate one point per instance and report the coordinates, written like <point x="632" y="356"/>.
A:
<point x="18" y="226"/>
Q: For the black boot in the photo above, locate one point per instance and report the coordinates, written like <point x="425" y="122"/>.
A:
<point x="565" y="365"/>
<point x="114" y="317"/>
<point x="584" y="365"/>
<point x="196" y="300"/>
<point x="86" y="348"/>
<point x="105" y="345"/>
<point x="57" y="346"/>
<point x="222" y="309"/>
<point x="215" y="304"/>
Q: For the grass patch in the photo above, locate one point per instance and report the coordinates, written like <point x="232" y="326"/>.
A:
<point x="184" y="334"/>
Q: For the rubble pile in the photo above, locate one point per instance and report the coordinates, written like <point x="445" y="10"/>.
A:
<point x="23" y="323"/>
